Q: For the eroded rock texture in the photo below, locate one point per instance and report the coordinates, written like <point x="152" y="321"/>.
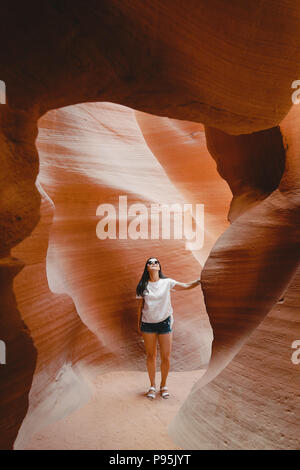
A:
<point x="66" y="347"/>
<point x="246" y="406"/>
<point x="83" y="151"/>
<point x="229" y="68"/>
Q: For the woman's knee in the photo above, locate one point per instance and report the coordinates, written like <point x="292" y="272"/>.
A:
<point x="151" y="356"/>
<point x="165" y="357"/>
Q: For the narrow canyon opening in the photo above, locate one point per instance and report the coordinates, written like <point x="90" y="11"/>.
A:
<point x="82" y="309"/>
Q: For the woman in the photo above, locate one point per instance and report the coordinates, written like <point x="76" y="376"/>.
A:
<point x="155" y="319"/>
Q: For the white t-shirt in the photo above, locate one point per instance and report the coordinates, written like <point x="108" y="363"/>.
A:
<point x="157" y="306"/>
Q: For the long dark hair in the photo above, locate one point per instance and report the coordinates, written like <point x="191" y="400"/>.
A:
<point x="142" y="285"/>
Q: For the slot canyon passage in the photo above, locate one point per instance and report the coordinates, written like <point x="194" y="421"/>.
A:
<point x="161" y="103"/>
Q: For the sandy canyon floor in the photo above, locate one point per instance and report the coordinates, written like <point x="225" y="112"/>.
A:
<point x="119" y="415"/>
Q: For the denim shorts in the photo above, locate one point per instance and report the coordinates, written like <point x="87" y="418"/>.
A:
<point x="160" y="328"/>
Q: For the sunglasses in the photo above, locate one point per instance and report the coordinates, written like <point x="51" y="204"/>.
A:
<point x="153" y="262"/>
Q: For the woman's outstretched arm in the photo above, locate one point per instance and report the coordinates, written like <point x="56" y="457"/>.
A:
<point x="187" y="285"/>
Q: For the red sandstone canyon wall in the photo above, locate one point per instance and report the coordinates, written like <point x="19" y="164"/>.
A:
<point x="163" y="102"/>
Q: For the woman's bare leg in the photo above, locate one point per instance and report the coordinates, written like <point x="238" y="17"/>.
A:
<point x="165" y="346"/>
<point x="150" y="340"/>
